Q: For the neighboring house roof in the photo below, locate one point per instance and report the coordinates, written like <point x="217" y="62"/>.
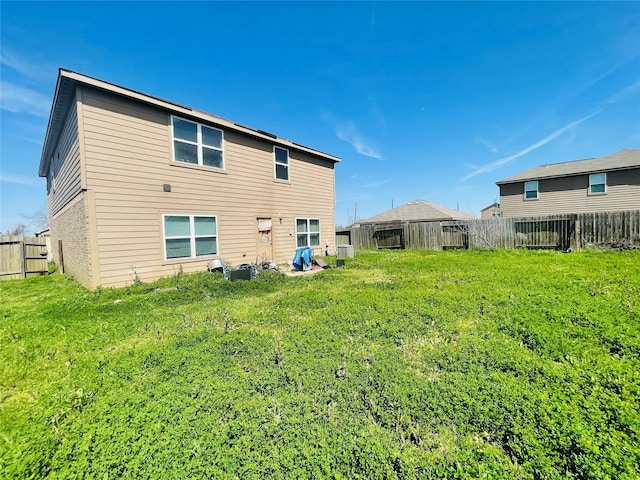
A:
<point x="493" y="205"/>
<point x="65" y="94"/>
<point x="624" y="159"/>
<point x="417" y="210"/>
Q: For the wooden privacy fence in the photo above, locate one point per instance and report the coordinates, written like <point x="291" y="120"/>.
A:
<point x="22" y="257"/>
<point x="576" y="231"/>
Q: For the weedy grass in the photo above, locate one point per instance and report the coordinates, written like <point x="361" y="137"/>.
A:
<point x="507" y="364"/>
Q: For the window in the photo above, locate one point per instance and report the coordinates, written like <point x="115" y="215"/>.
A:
<point x="189" y="236"/>
<point x="307" y="232"/>
<point x="531" y="190"/>
<point x="598" y="184"/>
<point x="496" y="213"/>
<point x="51" y="176"/>
<point x="197" y="144"/>
<point x="281" y="156"/>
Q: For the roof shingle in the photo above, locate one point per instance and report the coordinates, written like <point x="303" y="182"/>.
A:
<point x="624" y="159"/>
<point x="417" y="210"/>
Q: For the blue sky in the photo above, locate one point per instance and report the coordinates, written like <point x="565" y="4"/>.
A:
<point x="420" y="100"/>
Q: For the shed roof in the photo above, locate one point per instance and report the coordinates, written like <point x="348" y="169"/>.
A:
<point x="65" y="94"/>
<point x="417" y="210"/>
<point x="624" y="159"/>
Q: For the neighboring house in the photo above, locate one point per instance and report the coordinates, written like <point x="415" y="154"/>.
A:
<point x="141" y="188"/>
<point x="416" y="224"/>
<point x="416" y="211"/>
<point x="610" y="183"/>
<point x="46" y="234"/>
<point x="492" y="211"/>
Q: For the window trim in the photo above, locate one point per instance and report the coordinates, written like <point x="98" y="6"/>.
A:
<point x="192" y="236"/>
<point x="308" y="232"/>
<point x="537" y="190"/>
<point x="51" y="176"/>
<point x="591" y="184"/>
<point x="198" y="143"/>
<point x="276" y="163"/>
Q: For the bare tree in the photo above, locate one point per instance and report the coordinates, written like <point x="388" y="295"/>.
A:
<point x="487" y="233"/>
<point x="17" y="231"/>
<point x="484" y="233"/>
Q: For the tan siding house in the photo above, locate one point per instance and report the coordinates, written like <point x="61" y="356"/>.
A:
<point x="604" y="184"/>
<point x="140" y="187"/>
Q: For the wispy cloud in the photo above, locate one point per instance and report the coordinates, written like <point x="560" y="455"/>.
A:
<point x="376" y="184"/>
<point x="17" y="99"/>
<point x="493" y="165"/>
<point x="623" y="93"/>
<point x="32" y="70"/>
<point x="20" y="179"/>
<point x="617" y="97"/>
<point x="490" y="145"/>
<point x="348" y="132"/>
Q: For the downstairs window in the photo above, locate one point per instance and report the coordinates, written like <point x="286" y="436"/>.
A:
<point x="189" y="236"/>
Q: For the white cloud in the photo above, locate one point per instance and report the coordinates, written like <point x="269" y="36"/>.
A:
<point x="623" y="93"/>
<point x="490" y="145"/>
<point x="21" y="179"/>
<point x="348" y="132"/>
<point x="493" y="165"/>
<point x="17" y="99"/>
<point x="35" y="71"/>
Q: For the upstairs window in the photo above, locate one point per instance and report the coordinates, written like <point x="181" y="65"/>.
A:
<point x="197" y="144"/>
<point x="531" y="190"/>
<point x="598" y="184"/>
<point x="190" y="236"/>
<point x="307" y="232"/>
<point x="281" y="156"/>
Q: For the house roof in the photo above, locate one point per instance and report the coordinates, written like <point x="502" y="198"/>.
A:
<point x="622" y="160"/>
<point x="65" y="94"/>
<point x="417" y="210"/>
<point x="494" y="204"/>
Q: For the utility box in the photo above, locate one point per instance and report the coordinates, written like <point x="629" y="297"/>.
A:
<point x="344" y="251"/>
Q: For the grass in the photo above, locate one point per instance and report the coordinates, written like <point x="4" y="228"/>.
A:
<point x="505" y="364"/>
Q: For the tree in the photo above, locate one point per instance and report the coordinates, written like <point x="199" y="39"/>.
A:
<point x="18" y="231"/>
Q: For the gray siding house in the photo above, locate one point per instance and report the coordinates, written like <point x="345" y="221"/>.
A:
<point x="604" y="184"/>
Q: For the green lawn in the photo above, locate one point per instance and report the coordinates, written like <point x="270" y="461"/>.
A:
<point x="507" y="364"/>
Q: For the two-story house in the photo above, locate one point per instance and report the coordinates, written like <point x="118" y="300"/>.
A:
<point x="604" y="184"/>
<point x="140" y="187"/>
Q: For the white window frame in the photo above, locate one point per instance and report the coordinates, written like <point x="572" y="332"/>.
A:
<point x="591" y="183"/>
<point x="192" y="236"/>
<point x="276" y="163"/>
<point x="198" y="143"/>
<point x="51" y="175"/>
<point x="537" y="190"/>
<point x="308" y="232"/>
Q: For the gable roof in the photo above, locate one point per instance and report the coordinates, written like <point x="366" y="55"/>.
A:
<point x="494" y="204"/>
<point x="65" y="94"/>
<point x="417" y="210"/>
<point x="624" y="159"/>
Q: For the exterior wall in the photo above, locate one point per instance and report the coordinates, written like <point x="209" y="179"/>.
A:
<point x="570" y="195"/>
<point x="128" y="149"/>
<point x="71" y="225"/>
<point x="488" y="211"/>
<point x="65" y="165"/>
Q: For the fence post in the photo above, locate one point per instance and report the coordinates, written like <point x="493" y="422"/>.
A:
<point x="61" y="256"/>
<point x="23" y="251"/>
<point x="578" y="235"/>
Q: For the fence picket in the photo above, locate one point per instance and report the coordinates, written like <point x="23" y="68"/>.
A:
<point x="553" y="231"/>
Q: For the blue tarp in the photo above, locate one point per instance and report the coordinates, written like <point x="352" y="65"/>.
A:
<point x="302" y="258"/>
